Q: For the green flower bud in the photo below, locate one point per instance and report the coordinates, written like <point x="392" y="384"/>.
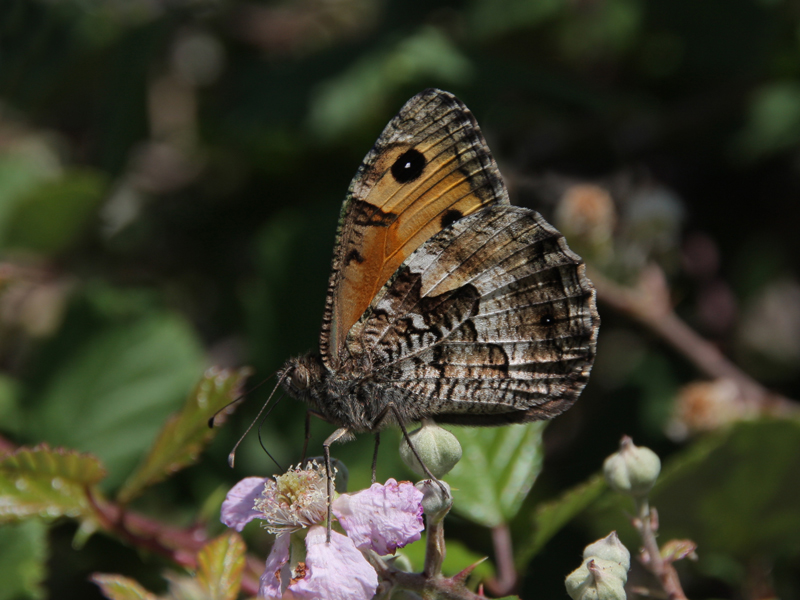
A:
<point x="610" y="549"/>
<point x="435" y="502"/>
<point x="604" y="571"/>
<point x="594" y="581"/>
<point x="438" y="448"/>
<point x="633" y="470"/>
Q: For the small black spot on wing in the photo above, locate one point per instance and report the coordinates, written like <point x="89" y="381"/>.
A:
<point x="408" y="166"/>
<point x="353" y="256"/>
<point x="450" y="217"/>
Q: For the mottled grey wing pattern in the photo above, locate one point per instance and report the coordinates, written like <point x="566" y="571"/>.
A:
<point x="491" y="321"/>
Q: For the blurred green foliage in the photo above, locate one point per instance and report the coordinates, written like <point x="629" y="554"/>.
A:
<point x="170" y="178"/>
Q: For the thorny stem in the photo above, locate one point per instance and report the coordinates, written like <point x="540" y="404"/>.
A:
<point x="649" y="303"/>
<point x="430" y="583"/>
<point x="439" y="587"/>
<point x="666" y="573"/>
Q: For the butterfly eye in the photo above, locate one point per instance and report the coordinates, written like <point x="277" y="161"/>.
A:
<point x="300" y="378"/>
<point x="408" y="166"/>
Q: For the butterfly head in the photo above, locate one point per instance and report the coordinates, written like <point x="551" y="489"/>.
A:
<point x="301" y="375"/>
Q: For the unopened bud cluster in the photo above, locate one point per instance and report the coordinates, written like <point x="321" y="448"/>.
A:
<point x="603" y="573"/>
<point x="632" y="470"/>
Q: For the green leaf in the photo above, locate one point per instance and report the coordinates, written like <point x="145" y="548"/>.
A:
<point x="549" y="517"/>
<point x="708" y="494"/>
<point x="47" y="483"/>
<point x="23" y="551"/>
<point x="117" y="587"/>
<point x="496" y="472"/>
<point x="111" y="394"/>
<point x="186" y="433"/>
<point x="220" y="565"/>
<point x="54" y="214"/>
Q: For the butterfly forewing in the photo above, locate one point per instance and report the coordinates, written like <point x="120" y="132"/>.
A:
<point x="429" y="168"/>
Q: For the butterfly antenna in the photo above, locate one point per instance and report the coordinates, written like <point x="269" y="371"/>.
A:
<point x="232" y="455"/>
<point x="261" y="441"/>
<point x="212" y="420"/>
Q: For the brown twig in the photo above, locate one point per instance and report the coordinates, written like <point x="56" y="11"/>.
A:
<point x="176" y="544"/>
<point x="652" y="560"/>
<point x="650" y="304"/>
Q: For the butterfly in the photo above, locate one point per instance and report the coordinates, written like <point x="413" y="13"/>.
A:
<point x="444" y="300"/>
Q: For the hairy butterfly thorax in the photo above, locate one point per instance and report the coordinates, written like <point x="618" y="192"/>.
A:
<point x="338" y="398"/>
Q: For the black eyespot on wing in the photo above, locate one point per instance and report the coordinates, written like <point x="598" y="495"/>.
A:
<point x="408" y="166"/>
<point x="546" y="320"/>
<point x="450" y="217"/>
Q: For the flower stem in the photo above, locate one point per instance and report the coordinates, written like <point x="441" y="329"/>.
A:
<point x="506" y="580"/>
<point x="435" y="550"/>
<point x="176" y="544"/>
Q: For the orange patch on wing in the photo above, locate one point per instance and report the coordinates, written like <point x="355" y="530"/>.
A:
<point x="399" y="218"/>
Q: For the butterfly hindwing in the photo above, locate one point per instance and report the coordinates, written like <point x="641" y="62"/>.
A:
<point x="492" y="320"/>
<point x="429" y="168"/>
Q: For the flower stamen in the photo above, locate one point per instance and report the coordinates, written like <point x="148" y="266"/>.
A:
<point x="295" y="500"/>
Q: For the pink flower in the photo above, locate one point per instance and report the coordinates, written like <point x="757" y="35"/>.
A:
<point x="381" y="518"/>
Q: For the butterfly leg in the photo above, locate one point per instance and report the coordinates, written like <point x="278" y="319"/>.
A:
<point x="391" y="407"/>
<point x="307" y="437"/>
<point x="340" y="433"/>
<point x="375" y="457"/>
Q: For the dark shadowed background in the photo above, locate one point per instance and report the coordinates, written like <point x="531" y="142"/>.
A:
<point x="171" y="174"/>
